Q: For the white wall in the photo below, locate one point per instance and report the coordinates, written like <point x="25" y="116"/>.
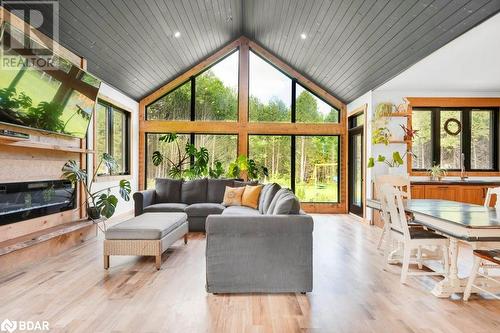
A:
<point x="122" y="99"/>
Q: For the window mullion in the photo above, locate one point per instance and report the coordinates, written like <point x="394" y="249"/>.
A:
<point x="110" y="132"/>
<point x="436" y="136"/>
<point x="466" y="138"/>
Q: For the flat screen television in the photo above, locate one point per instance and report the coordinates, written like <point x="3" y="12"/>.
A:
<point x="41" y="90"/>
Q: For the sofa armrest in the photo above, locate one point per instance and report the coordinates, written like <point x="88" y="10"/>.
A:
<point x="269" y="224"/>
<point x="142" y="199"/>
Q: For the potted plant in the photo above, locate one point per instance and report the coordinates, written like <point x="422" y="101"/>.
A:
<point x="437" y="173"/>
<point x="394" y="163"/>
<point x="183" y="168"/>
<point x="101" y="202"/>
<point x="246" y="168"/>
<point x="409" y="133"/>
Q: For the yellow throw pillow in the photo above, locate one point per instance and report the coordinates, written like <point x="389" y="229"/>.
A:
<point x="250" y="196"/>
<point x="232" y="196"/>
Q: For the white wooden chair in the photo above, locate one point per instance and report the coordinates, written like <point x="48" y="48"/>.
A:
<point x="402" y="183"/>
<point x="492" y="257"/>
<point x="489" y="196"/>
<point x="411" y="238"/>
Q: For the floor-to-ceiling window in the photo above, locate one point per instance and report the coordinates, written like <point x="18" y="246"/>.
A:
<point x="245" y="103"/>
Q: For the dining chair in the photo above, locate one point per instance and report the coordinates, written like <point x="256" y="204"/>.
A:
<point x="489" y="196"/>
<point x="411" y="238"/>
<point x="402" y="183"/>
<point x="480" y="257"/>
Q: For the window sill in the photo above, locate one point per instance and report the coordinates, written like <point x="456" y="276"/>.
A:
<point x="107" y="178"/>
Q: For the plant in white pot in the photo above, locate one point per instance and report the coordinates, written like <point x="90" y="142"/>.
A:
<point x="101" y="202"/>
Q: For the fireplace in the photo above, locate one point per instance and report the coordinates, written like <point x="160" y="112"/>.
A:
<point x="27" y="200"/>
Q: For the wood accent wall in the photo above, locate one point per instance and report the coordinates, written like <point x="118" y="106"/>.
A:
<point x="466" y="102"/>
<point x="243" y="127"/>
<point x="44" y="156"/>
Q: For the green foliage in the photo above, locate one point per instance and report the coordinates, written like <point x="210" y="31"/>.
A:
<point x="217" y="171"/>
<point x="381" y="135"/>
<point x="182" y="167"/>
<point x="437" y="172"/>
<point x="242" y="166"/>
<point x="394" y="162"/>
<point x="104" y="202"/>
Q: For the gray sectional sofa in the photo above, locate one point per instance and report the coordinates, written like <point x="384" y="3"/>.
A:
<point x="268" y="249"/>
<point x="197" y="198"/>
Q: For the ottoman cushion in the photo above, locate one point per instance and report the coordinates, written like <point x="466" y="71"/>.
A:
<point x="147" y="226"/>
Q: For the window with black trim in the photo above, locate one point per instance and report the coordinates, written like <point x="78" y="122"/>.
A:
<point x="212" y="95"/>
<point x="308" y="164"/>
<point x="446" y="134"/>
<point x="275" y="97"/>
<point x="112" y="137"/>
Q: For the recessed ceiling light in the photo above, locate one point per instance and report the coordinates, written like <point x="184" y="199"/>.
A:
<point x="303" y="36"/>
<point x="177" y="34"/>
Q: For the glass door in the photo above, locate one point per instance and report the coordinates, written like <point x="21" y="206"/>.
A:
<point x="355" y="164"/>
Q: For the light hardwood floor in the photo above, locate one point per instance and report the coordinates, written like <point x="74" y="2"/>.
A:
<point x="352" y="293"/>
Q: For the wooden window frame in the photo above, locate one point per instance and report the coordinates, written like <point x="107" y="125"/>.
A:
<point x="242" y="128"/>
<point x="456" y="103"/>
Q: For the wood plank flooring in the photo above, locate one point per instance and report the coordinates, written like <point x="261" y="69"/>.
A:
<point x="352" y="293"/>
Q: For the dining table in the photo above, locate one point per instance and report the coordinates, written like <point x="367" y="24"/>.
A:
<point x="476" y="225"/>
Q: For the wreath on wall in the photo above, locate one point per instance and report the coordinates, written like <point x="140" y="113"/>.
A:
<point x="449" y="128"/>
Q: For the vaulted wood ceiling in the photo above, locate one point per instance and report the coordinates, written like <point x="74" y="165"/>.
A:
<point x="352" y="46"/>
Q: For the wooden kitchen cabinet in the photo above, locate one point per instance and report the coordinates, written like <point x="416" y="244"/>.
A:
<point x="470" y="193"/>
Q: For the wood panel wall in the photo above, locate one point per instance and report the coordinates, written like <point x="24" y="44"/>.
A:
<point x="32" y="163"/>
<point x="242" y="127"/>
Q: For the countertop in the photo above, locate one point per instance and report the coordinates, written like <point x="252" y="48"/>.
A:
<point x="456" y="182"/>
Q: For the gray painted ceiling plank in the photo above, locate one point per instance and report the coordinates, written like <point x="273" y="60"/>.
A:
<point x="453" y="26"/>
<point x="351" y="46"/>
<point x="343" y="24"/>
<point x="404" y="14"/>
<point x="428" y="26"/>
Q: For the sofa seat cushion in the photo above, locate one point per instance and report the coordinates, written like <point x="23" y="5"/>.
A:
<point x="216" y="189"/>
<point x="194" y="191"/>
<point x="240" y="210"/>
<point x="147" y="226"/>
<point x="204" y="209"/>
<point x="165" y="208"/>
<point x="168" y="190"/>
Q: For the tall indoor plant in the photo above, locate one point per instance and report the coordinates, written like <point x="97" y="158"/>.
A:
<point x="101" y="202"/>
<point x="191" y="162"/>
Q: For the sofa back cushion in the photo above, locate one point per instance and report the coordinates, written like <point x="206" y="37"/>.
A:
<point x="240" y="183"/>
<point x="216" y="188"/>
<point x="287" y="204"/>
<point x="284" y="203"/>
<point x="276" y="197"/>
<point x="267" y="195"/>
<point x="194" y="191"/>
<point x="168" y="190"/>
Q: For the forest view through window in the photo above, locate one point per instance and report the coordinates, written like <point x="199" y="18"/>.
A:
<point x="306" y="164"/>
<point x="444" y="134"/>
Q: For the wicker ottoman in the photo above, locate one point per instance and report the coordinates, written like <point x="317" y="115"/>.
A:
<point x="148" y="234"/>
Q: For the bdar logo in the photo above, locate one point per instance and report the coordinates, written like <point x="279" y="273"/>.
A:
<point x="8" y="326"/>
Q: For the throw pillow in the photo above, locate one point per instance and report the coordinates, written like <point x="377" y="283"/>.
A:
<point x="232" y="196"/>
<point x="250" y="196"/>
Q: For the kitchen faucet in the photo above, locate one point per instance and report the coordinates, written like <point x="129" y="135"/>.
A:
<point x="463" y="176"/>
